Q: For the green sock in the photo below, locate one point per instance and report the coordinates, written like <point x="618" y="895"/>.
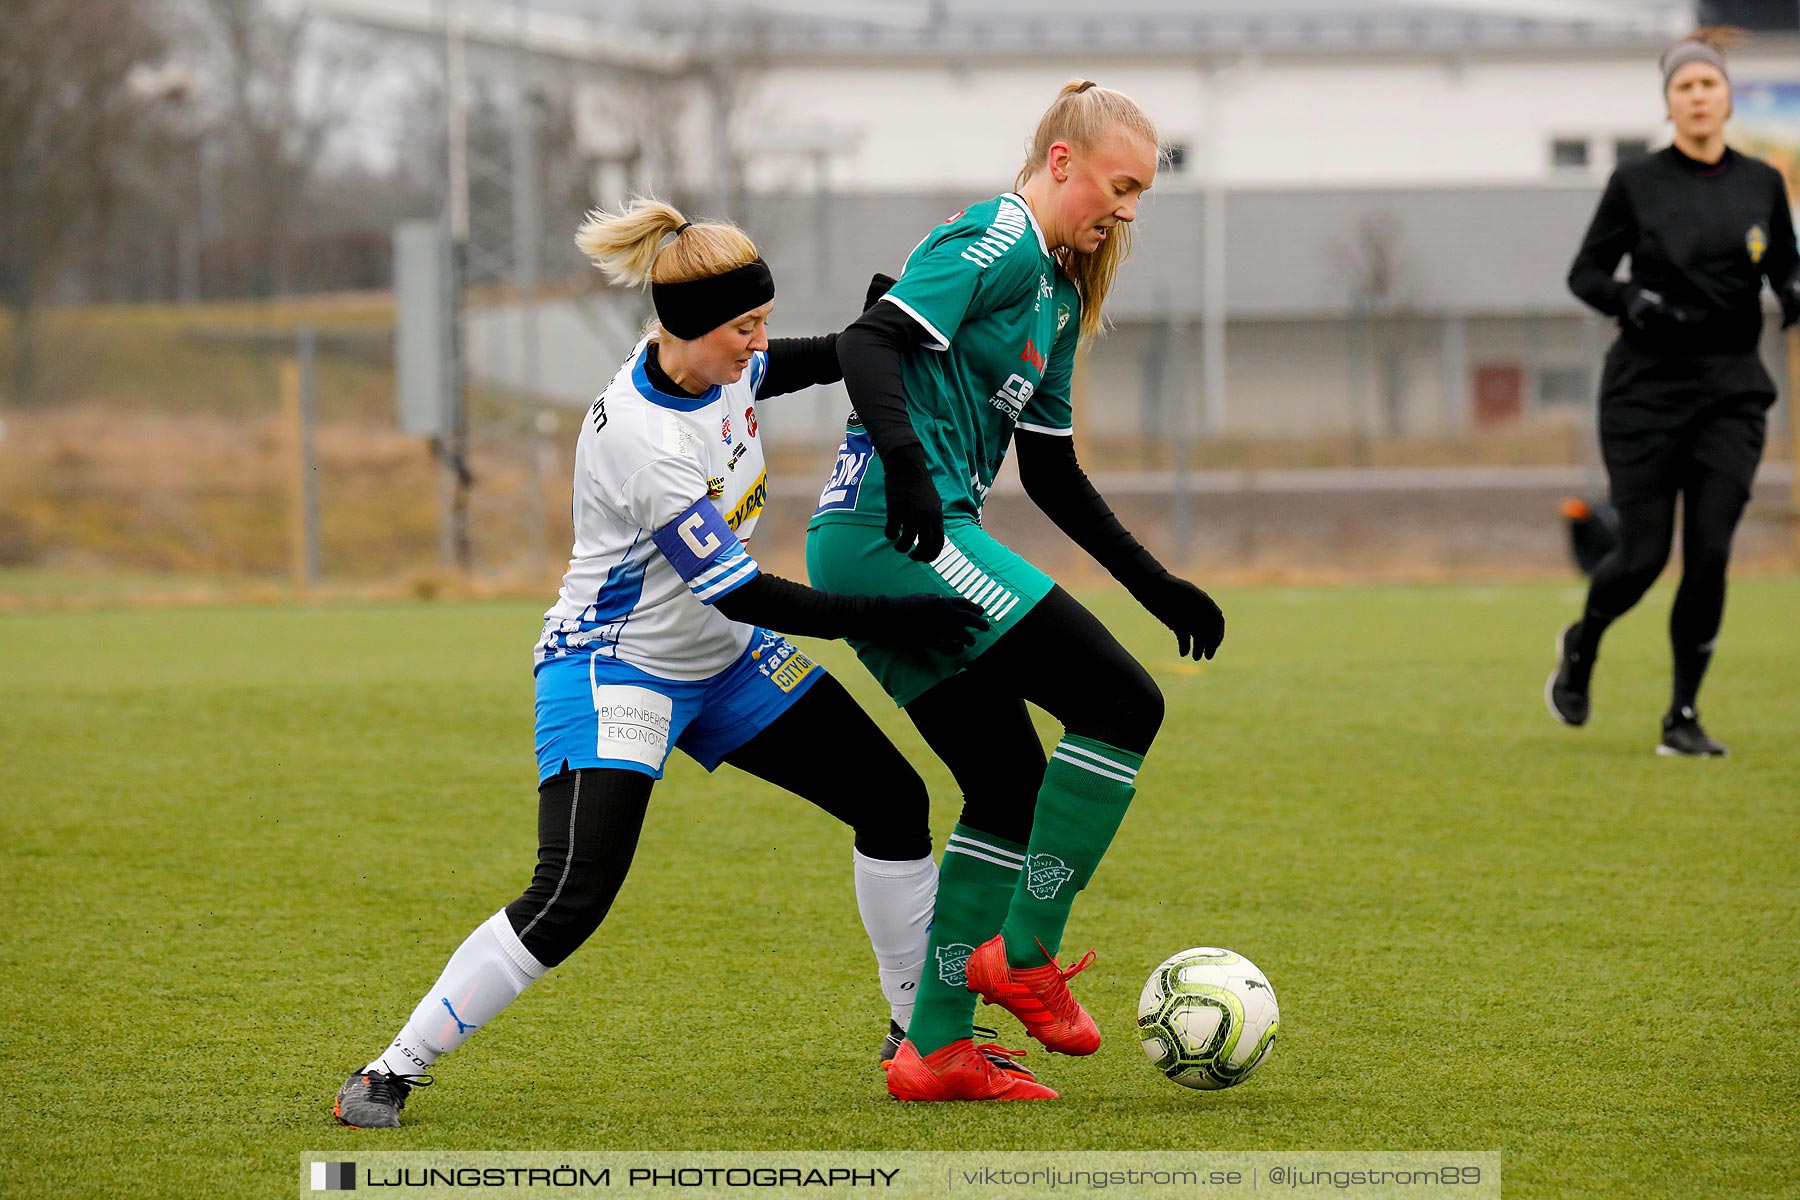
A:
<point x="1087" y="788"/>
<point x="975" y="886"/>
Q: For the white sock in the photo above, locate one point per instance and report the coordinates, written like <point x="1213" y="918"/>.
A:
<point x="487" y="972"/>
<point x="896" y="900"/>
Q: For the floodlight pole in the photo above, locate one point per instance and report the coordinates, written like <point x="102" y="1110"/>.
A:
<point x="455" y="456"/>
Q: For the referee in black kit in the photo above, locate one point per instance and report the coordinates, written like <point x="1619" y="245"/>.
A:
<point x="1683" y="396"/>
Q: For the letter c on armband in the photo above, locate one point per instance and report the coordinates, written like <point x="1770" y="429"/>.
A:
<point x="700" y="546"/>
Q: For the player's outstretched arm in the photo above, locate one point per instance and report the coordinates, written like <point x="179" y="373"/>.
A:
<point x="941" y="623"/>
<point x="719" y="572"/>
<point x="1054" y="480"/>
<point x="869" y="351"/>
<point x="796" y="363"/>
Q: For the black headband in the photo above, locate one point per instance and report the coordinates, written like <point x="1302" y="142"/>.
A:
<point x="698" y="306"/>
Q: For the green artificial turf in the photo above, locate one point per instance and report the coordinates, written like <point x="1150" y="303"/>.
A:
<point x="237" y="844"/>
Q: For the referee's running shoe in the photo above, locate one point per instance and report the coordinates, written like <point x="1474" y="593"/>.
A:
<point x="890" y="1049"/>
<point x="1038" y="996"/>
<point x="1683" y="737"/>
<point x="373" y="1099"/>
<point x="960" y="1071"/>
<point x="1566" y="691"/>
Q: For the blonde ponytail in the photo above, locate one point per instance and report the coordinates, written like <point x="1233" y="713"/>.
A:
<point x="627" y="246"/>
<point x="1082" y="115"/>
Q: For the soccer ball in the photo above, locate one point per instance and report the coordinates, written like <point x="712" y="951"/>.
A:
<point x="1207" y="1018"/>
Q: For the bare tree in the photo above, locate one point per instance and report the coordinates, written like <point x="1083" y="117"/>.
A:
<point x="279" y="88"/>
<point x="68" y="115"/>
<point x="1383" y="311"/>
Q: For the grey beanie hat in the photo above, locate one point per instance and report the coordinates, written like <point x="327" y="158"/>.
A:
<point x="1690" y="50"/>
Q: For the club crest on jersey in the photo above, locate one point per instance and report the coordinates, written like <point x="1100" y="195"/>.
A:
<point x="750" y="421"/>
<point x="1757" y="242"/>
<point x="953" y="964"/>
<point x="1045" y="874"/>
<point x="1062" y="316"/>
<point x="725" y="430"/>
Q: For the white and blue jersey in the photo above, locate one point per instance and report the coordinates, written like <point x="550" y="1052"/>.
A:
<point x="634" y="659"/>
<point x="667" y="491"/>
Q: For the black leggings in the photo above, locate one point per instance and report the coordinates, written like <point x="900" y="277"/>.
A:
<point x="1060" y="658"/>
<point x="824" y="749"/>
<point x="1711" y="504"/>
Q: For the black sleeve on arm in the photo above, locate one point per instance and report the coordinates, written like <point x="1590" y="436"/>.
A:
<point x="869" y="352"/>
<point x="796" y="363"/>
<point x="789" y="607"/>
<point x="1062" y="491"/>
<point x="1783" y="258"/>
<point x="1610" y="237"/>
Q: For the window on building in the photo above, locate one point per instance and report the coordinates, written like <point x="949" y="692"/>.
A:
<point x="1569" y="152"/>
<point x="1629" y="149"/>
<point x="1174" y="158"/>
<point x="1564" y="387"/>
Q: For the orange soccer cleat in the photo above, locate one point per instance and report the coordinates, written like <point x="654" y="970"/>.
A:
<point x="1038" y="996"/>
<point x="960" y="1071"/>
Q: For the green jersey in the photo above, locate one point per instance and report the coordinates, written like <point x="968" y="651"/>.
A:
<point x="1002" y="322"/>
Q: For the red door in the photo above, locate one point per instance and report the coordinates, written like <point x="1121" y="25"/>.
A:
<point x="1499" y="395"/>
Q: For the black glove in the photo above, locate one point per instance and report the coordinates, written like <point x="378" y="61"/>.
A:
<point x="915" y="512"/>
<point x="1789" y="295"/>
<point x="1198" y="624"/>
<point x="878" y="287"/>
<point x="1652" y="312"/>
<point x="943" y="624"/>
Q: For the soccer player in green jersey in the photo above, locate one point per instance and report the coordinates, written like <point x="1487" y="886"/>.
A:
<point x="972" y="350"/>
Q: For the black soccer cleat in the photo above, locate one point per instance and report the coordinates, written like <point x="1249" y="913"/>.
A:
<point x="373" y="1099"/>
<point x="1683" y="738"/>
<point x="1566" y="691"/>
<point x="890" y="1046"/>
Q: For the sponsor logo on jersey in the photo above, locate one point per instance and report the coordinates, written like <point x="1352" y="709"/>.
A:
<point x="598" y="413"/>
<point x="738" y="451"/>
<point x="953" y="216"/>
<point x="1013" y="395"/>
<point x="725" y="430"/>
<point x="1045" y="874"/>
<point x="845" y="484"/>
<point x="1009" y="225"/>
<point x="953" y="964"/>
<point x="750" y="421"/>
<point x="1032" y="355"/>
<point x="752" y="503"/>
<point x="1757" y="242"/>
<point x="715" y="487"/>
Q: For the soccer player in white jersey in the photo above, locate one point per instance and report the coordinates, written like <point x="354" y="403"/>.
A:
<point x="973" y="350"/>
<point x="663" y="638"/>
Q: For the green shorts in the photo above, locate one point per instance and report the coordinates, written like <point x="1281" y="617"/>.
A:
<point x="855" y="559"/>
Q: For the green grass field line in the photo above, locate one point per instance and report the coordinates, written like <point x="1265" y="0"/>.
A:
<point x="238" y="843"/>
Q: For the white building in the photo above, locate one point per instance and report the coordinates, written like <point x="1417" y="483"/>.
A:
<point x="1365" y="224"/>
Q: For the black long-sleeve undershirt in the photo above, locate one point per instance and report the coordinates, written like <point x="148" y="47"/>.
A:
<point x="1055" y="482"/>
<point x="796" y="363"/>
<point x="781" y="604"/>
<point x="870" y="351"/>
<point x="1688" y="227"/>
